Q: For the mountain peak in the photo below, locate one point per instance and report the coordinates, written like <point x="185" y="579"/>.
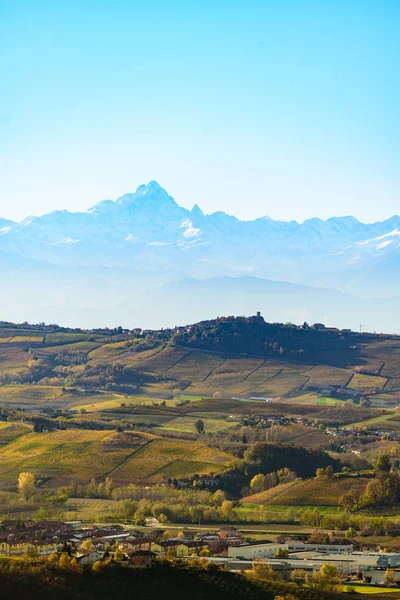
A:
<point x="196" y="211"/>
<point x="151" y="188"/>
<point x="145" y="194"/>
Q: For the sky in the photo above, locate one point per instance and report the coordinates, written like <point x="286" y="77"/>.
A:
<point x="286" y="108"/>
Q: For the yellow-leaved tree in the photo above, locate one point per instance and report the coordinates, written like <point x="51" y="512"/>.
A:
<point x="26" y="485"/>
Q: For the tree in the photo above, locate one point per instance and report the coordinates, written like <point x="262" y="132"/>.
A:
<point x="317" y="537"/>
<point x="326" y="578"/>
<point x="261" y="569"/>
<point x="87" y="544"/>
<point x="218" y="497"/>
<point x="227" y="509"/>
<point x="119" y="556"/>
<point x="199" y="426"/>
<point x="26" y="485"/>
<point x="375" y="492"/>
<point x="162" y="518"/>
<point x="282" y="553"/>
<point x="347" y="501"/>
<point x="108" y="487"/>
<point x="257" y="484"/>
<point x="298" y="576"/>
<point x="383" y="464"/>
<point x="329" y="471"/>
<point x="97" y="566"/>
<point x="320" y="473"/>
<point x="350" y="533"/>
<point x="390" y="577"/>
<point x="328" y="570"/>
<point x="270" y="481"/>
<point x="285" y="475"/>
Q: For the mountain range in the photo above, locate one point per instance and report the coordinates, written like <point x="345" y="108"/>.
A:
<point x="126" y="258"/>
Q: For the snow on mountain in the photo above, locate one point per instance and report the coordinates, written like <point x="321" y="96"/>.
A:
<point x="148" y="231"/>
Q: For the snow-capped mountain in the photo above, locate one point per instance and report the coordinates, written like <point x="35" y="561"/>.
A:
<point x="142" y="260"/>
<point x="148" y="231"/>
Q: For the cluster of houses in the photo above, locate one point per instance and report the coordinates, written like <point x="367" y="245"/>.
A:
<point x="48" y="537"/>
<point x="225" y="548"/>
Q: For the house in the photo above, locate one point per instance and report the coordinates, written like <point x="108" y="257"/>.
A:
<point x="143" y="543"/>
<point x="189" y="547"/>
<point x="89" y="557"/>
<point x="228" y="532"/>
<point x="21" y="547"/>
<point x="142" y="559"/>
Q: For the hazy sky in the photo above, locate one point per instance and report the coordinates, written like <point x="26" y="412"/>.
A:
<point x="287" y="108"/>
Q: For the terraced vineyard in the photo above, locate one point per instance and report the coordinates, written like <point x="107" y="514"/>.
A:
<point x="191" y="371"/>
<point x="98" y="385"/>
<point x="79" y="455"/>
<point x="316" y="491"/>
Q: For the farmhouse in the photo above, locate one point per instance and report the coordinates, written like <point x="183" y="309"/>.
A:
<point x="89" y="557"/>
<point x="142" y="559"/>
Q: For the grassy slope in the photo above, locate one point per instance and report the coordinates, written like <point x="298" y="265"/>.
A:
<point x="317" y="491"/>
<point x="82" y="454"/>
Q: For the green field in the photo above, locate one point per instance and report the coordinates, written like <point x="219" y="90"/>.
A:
<point x="187" y="424"/>
<point x="88" y="509"/>
<point x="384" y="420"/>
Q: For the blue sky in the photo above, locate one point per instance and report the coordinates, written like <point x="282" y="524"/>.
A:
<point x="287" y="108"/>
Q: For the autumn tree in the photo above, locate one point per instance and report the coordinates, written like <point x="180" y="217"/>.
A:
<point x="390" y="577"/>
<point x="285" y="475"/>
<point x="261" y="569"/>
<point x="329" y="471"/>
<point x="227" y="510"/>
<point x="257" y="484"/>
<point x="327" y="578"/>
<point x="26" y="485"/>
<point x="298" y="576"/>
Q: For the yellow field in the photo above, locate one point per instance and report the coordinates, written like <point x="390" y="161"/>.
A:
<point x="26" y="339"/>
<point x="29" y="394"/>
<point x="360" y="381"/>
<point x="162" y="458"/>
<point x="79" y="455"/>
<point x="323" y="375"/>
<point x="317" y="491"/>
